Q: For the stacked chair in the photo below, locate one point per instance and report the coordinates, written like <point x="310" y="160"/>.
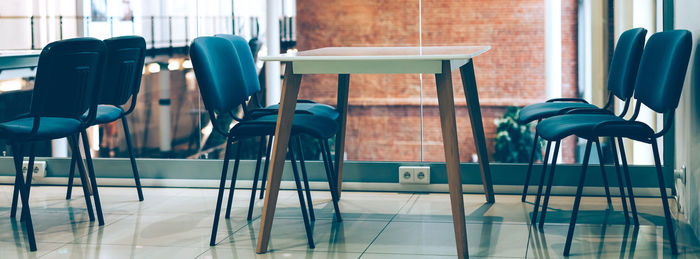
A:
<point x="122" y="81"/>
<point x="224" y="86"/>
<point x="621" y="79"/>
<point x="79" y="83"/>
<point x="252" y="85"/>
<point x="67" y="84"/>
<point x="658" y="85"/>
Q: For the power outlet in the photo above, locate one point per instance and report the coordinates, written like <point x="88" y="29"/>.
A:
<point x="421" y="175"/>
<point x="414" y="174"/>
<point x="39" y="169"/>
<point x="405" y="174"/>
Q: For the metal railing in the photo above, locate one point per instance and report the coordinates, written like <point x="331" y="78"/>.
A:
<point x="160" y="32"/>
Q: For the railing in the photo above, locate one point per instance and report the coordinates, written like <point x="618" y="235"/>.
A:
<point x="161" y="32"/>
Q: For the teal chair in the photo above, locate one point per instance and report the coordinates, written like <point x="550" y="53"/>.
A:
<point x="222" y="86"/>
<point x="658" y="85"/>
<point x="67" y="82"/>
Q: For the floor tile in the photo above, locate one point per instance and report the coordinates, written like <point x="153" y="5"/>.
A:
<point x="606" y="241"/>
<point x="20" y="249"/>
<point x="233" y="252"/>
<point x="289" y="235"/>
<point x="182" y="230"/>
<point x="77" y="251"/>
<point x="437" y="238"/>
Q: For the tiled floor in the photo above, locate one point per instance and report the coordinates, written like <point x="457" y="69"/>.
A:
<point x="176" y="223"/>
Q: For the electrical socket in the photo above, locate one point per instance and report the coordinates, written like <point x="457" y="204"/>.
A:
<point x="39" y="169"/>
<point x="414" y="174"/>
<point x="421" y="175"/>
<point x="405" y="174"/>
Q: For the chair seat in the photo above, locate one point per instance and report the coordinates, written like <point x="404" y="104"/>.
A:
<point x="539" y="111"/>
<point x="317" y="126"/>
<point x="107" y="113"/>
<point x="49" y="128"/>
<point x="318" y="109"/>
<point x="559" y="127"/>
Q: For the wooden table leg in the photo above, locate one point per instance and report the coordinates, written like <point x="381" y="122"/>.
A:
<point x="450" y="142"/>
<point x="342" y="107"/>
<point x="472" y="96"/>
<point x="290" y="90"/>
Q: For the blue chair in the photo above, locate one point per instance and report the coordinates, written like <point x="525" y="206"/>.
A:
<point x="67" y="83"/>
<point x="252" y="85"/>
<point x="220" y="77"/>
<point x="125" y="57"/>
<point x="658" y="86"/>
<point x="622" y="73"/>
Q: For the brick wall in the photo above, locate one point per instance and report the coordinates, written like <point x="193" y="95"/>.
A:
<point x="384" y="112"/>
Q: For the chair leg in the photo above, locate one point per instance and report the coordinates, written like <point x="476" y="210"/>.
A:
<point x="75" y="149"/>
<point x="16" y="149"/>
<point x="628" y="179"/>
<point x="24" y="193"/>
<point x="305" y="177"/>
<point x="623" y="199"/>
<point x="529" y="167"/>
<point x="261" y="147"/>
<point x="71" y="177"/>
<point x="539" y="188"/>
<point x="603" y="174"/>
<point x="233" y="181"/>
<point x="577" y="201"/>
<point x="333" y="174"/>
<point x="28" y="183"/>
<point x="549" y="183"/>
<point x="267" y="164"/>
<point x="329" y="176"/>
<point x="664" y="199"/>
<point x="307" y="226"/>
<point x="222" y="187"/>
<point x="93" y="179"/>
<point x="134" y="169"/>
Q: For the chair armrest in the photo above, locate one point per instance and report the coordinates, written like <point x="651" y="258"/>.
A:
<point x="587" y="111"/>
<point x="567" y="100"/>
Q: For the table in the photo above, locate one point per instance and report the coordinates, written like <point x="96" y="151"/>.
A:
<point x="11" y="59"/>
<point x="438" y="60"/>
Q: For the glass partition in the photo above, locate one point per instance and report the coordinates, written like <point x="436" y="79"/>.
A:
<point x="390" y="117"/>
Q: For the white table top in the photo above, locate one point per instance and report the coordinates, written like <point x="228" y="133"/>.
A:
<point x="383" y="53"/>
<point x="378" y="60"/>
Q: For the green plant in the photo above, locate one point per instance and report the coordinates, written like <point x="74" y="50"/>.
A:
<point x="514" y="140"/>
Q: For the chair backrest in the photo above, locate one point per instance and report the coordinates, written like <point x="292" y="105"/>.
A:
<point x="662" y="70"/>
<point x="68" y="78"/>
<point x="218" y="72"/>
<point x="625" y="63"/>
<point x="125" y="57"/>
<point x="245" y="56"/>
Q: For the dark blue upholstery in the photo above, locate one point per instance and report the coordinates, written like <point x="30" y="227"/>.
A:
<point x="625" y="63"/>
<point x="108" y="113"/>
<point x="662" y="71"/>
<point x="125" y="58"/>
<point x="49" y="128"/>
<point x="250" y="77"/>
<point x="218" y="71"/>
<point x="621" y="78"/>
<point x="559" y="127"/>
<point x="66" y="85"/>
<point x="658" y="86"/>
<point x="68" y="78"/>
<point x="250" y="73"/>
<point x="316" y="126"/>
<point x="545" y="110"/>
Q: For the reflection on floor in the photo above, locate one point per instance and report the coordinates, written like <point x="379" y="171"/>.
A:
<point x="176" y="223"/>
